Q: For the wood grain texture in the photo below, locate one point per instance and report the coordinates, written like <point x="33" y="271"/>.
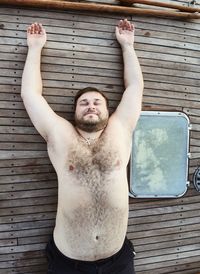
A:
<point x="82" y="51"/>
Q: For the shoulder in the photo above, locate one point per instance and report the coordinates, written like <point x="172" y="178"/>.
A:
<point x="119" y="127"/>
<point x="119" y="134"/>
<point x="62" y="133"/>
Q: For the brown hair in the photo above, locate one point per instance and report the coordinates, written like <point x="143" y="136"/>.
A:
<point x="89" y="89"/>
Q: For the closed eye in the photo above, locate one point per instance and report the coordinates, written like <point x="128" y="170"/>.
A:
<point x="84" y="104"/>
<point x="97" y="102"/>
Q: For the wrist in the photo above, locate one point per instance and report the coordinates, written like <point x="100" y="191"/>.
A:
<point x="34" y="49"/>
<point x="127" y="47"/>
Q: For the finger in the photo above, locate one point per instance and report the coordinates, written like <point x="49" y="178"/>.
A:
<point x="132" y="27"/>
<point x="117" y="31"/>
<point x="123" y="25"/>
<point x="120" y="23"/>
<point x="29" y="29"/>
<point x="43" y="31"/>
<point x="32" y="28"/>
<point x="37" y="28"/>
<point x="128" y="24"/>
<point x="40" y="28"/>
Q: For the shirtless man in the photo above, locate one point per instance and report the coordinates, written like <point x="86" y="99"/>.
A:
<point x="90" y="160"/>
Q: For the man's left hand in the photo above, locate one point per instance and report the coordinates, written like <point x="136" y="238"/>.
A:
<point x="125" y="33"/>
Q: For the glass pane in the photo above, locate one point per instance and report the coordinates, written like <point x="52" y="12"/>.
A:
<point x="159" y="160"/>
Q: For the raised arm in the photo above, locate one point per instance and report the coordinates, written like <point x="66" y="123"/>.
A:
<point x="128" y="110"/>
<point x="41" y="115"/>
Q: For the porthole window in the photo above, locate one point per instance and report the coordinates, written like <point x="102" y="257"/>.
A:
<point x="159" y="159"/>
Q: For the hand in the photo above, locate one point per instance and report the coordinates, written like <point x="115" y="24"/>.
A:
<point x="36" y="36"/>
<point x="125" y="33"/>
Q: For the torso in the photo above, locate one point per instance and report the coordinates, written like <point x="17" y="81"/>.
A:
<point x="92" y="210"/>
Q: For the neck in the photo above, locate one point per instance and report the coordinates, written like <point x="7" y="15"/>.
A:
<point x="89" y="137"/>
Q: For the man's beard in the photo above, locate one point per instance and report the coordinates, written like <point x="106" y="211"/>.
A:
<point x="91" y="126"/>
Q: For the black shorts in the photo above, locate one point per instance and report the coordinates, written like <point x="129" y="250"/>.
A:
<point x="120" y="263"/>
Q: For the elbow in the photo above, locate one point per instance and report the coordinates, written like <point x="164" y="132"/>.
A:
<point x="22" y="92"/>
<point x="22" y="95"/>
<point x="135" y="83"/>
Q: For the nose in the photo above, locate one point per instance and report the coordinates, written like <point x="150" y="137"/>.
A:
<point x="91" y="106"/>
<point x="91" y="110"/>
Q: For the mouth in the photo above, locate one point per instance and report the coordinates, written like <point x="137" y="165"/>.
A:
<point x="91" y="113"/>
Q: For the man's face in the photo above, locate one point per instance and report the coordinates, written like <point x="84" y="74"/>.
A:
<point x="91" y="112"/>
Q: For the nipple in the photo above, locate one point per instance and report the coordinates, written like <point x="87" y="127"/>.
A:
<point x="71" y="167"/>
<point x="118" y="163"/>
<point x="97" y="238"/>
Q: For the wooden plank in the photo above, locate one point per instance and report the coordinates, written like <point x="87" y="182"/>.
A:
<point x="172" y="102"/>
<point x="169" y="252"/>
<point x="164" y="260"/>
<point x="179" y="224"/>
<point x="27" y="217"/>
<point x="160" y="232"/>
<point x="24" y="263"/>
<point x="104" y="30"/>
<point x="166" y="239"/>
<point x="22" y="146"/>
<point x="8" y="242"/>
<point x="168" y="217"/>
<point x="50" y="207"/>
<point x="191" y="269"/>
<point x="20" y="255"/>
<point x="165" y="265"/>
<point x="27" y="177"/>
<point x="4" y="155"/>
<point x="39" y="269"/>
<point x="35" y="232"/>
<point x="26" y="225"/>
<point x="24" y="162"/>
<point x="28" y="186"/>
<point x="27" y="169"/>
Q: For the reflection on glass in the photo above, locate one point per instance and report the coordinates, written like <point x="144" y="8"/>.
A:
<point x="159" y="156"/>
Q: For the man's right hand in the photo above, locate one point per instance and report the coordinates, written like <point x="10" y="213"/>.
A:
<point x="125" y="33"/>
<point x="36" y="36"/>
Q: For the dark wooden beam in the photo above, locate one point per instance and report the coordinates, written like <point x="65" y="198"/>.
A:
<point x="162" y="4"/>
<point x="66" y="5"/>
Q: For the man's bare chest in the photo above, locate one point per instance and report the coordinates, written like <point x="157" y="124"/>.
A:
<point x="93" y="163"/>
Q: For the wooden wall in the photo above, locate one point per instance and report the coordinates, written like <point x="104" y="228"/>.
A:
<point x="82" y="51"/>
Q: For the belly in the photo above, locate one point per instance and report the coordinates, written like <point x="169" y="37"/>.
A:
<point x="92" y="221"/>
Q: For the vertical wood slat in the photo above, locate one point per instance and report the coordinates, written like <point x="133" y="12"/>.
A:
<point x="82" y="51"/>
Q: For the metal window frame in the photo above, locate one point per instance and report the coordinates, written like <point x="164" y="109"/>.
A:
<point x="164" y="114"/>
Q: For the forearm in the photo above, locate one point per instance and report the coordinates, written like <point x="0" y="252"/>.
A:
<point x="31" y="77"/>
<point x="132" y="70"/>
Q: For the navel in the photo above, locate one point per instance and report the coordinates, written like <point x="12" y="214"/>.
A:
<point x="97" y="238"/>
